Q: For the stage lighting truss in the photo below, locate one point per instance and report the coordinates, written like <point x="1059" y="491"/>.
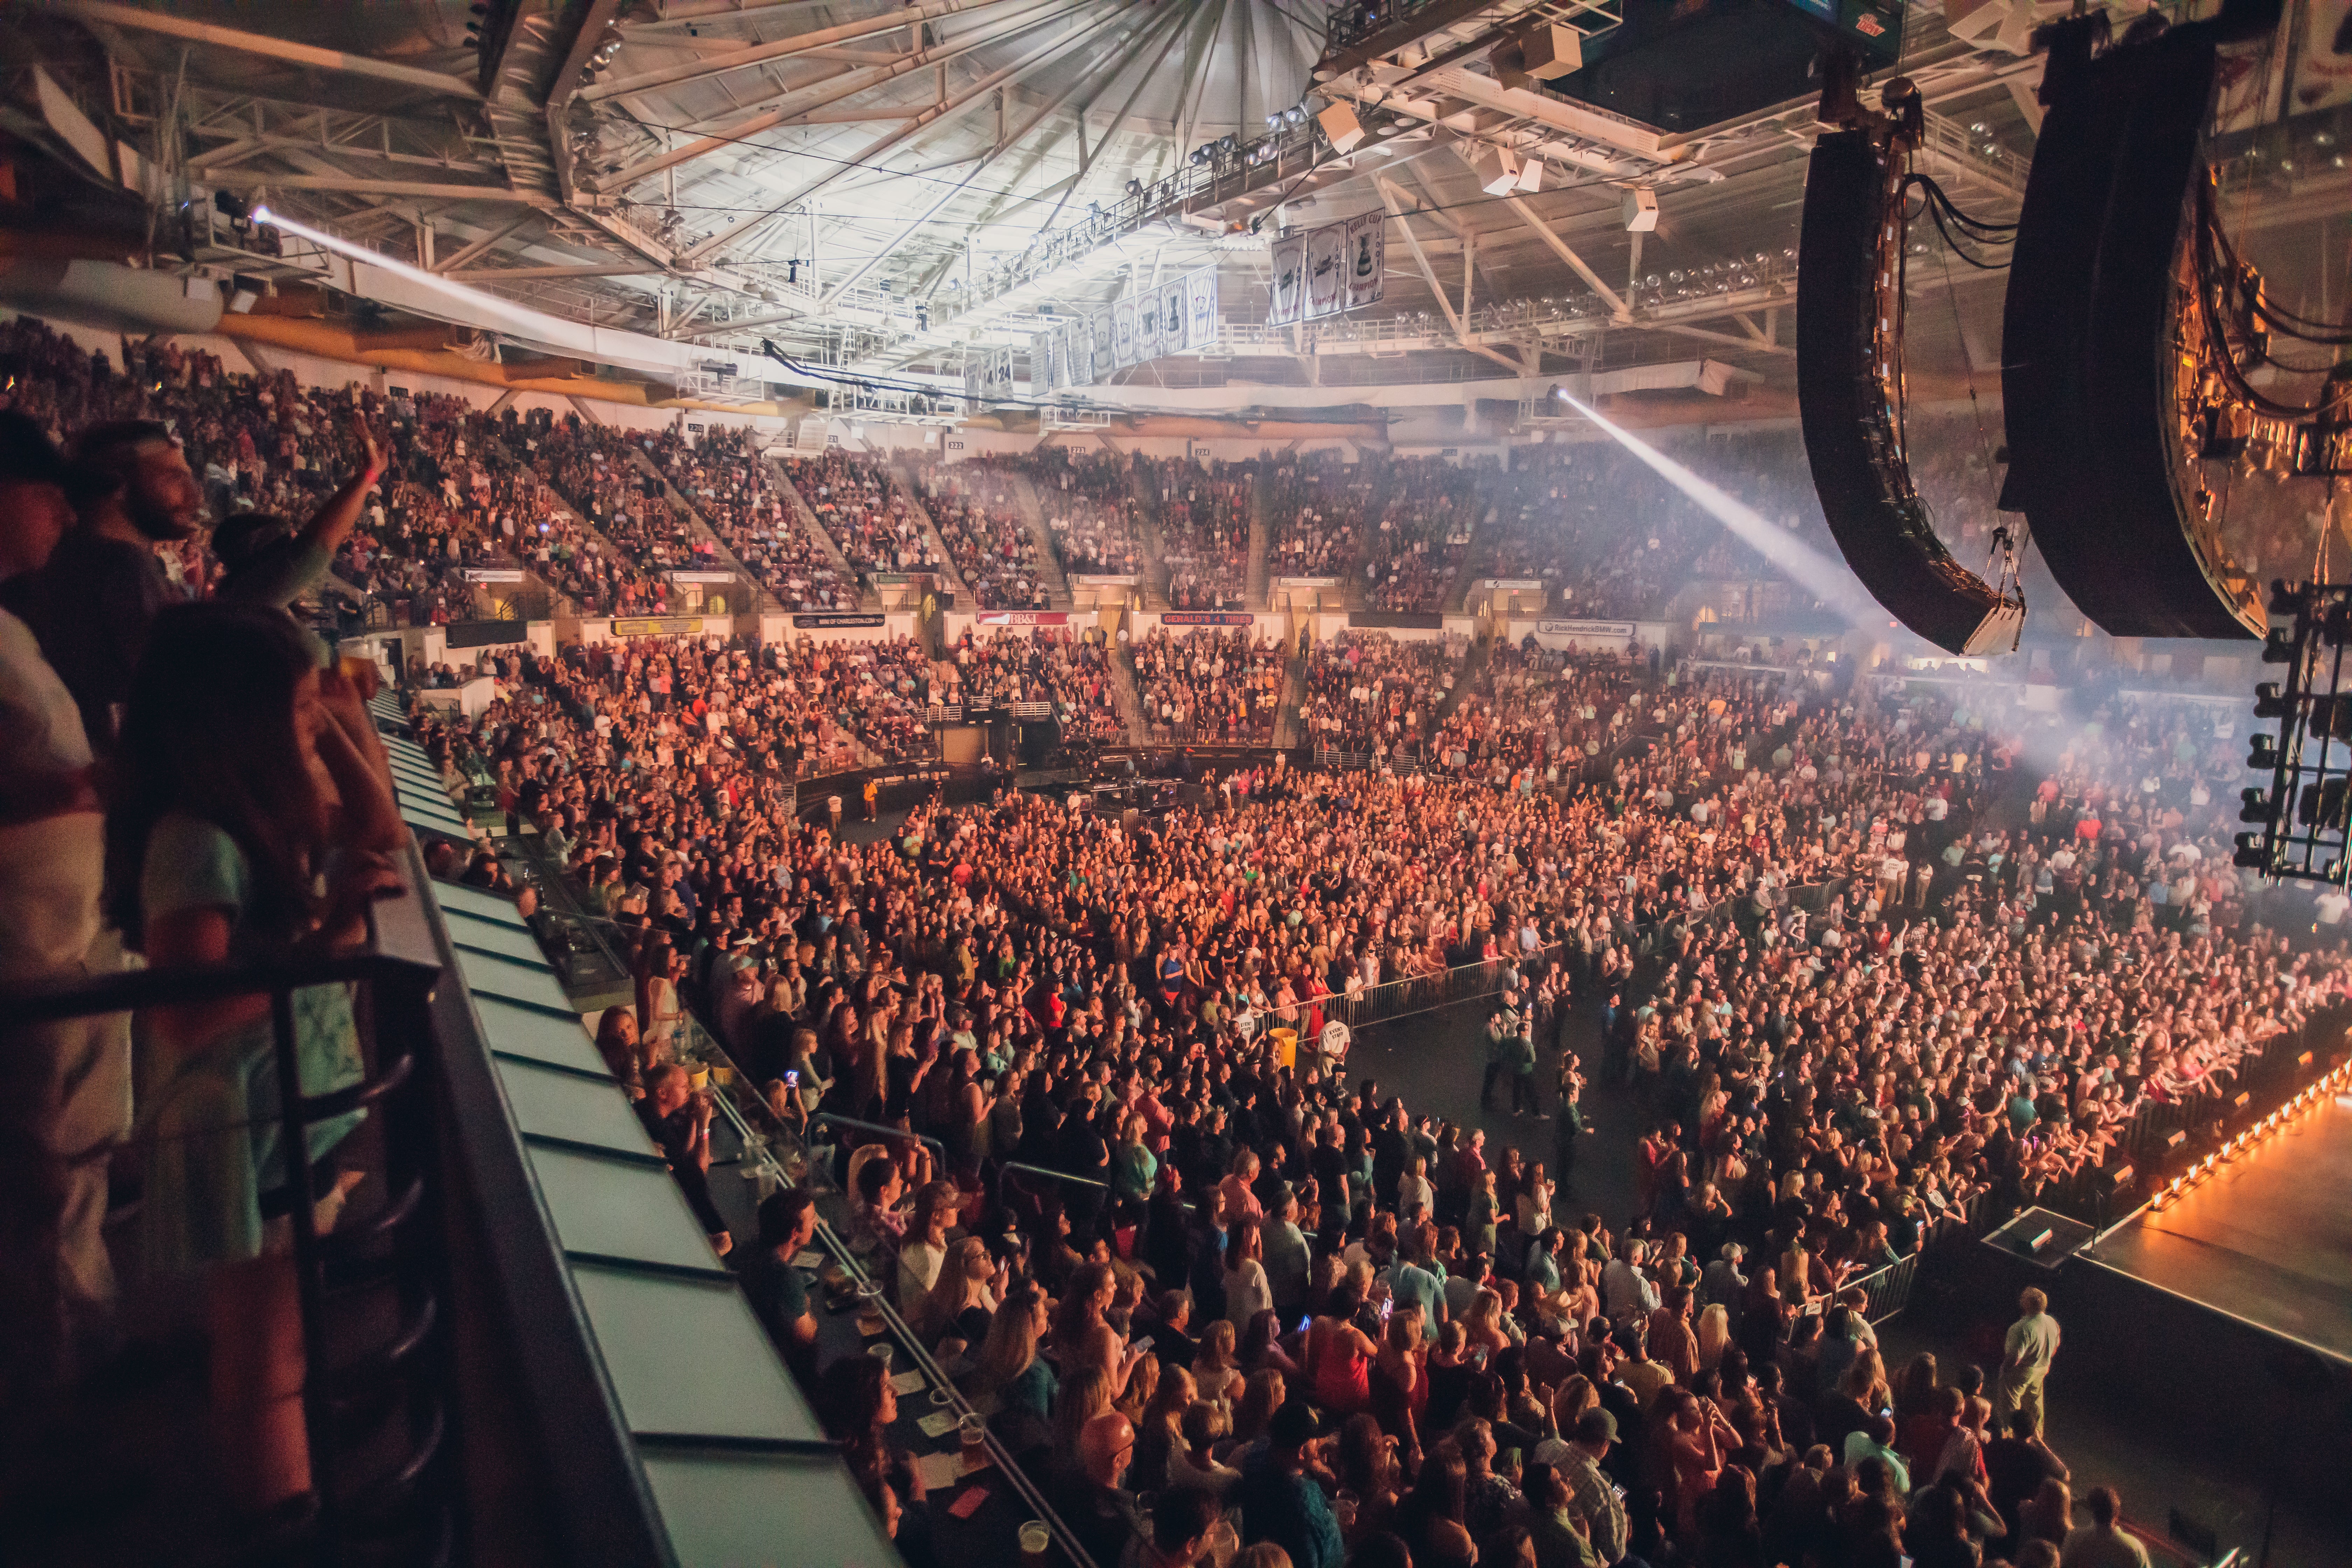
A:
<point x="2226" y="330"/>
<point x="2305" y="814"/>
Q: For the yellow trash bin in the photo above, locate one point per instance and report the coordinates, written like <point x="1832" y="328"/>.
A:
<point x="1285" y="1047"/>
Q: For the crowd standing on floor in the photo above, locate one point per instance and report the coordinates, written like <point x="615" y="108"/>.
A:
<point x="1870" y="962"/>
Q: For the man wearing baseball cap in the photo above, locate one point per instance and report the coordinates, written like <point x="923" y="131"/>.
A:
<point x="1594" y="1493"/>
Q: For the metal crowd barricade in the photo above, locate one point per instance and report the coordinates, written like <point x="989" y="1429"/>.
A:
<point x="1421" y="992"/>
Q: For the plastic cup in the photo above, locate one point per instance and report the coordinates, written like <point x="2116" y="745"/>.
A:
<point x="1035" y="1540"/>
<point x="880" y="1352"/>
<point x="971" y="1432"/>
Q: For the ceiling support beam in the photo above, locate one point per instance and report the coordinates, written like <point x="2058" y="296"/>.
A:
<point x="783" y="48"/>
<point x="532" y="274"/>
<point x="140" y="20"/>
<point x="249" y="179"/>
<point x="461" y="258"/>
<point x="1043" y="54"/>
<point x="1526" y="215"/>
<point x="1679" y="330"/>
<point x="1389" y="193"/>
<point x="831" y="91"/>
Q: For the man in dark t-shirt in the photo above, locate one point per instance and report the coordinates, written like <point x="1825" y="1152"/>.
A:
<point x="776" y="1291"/>
<point x="91" y="605"/>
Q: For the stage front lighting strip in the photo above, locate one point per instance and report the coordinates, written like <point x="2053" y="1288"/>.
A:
<point x="2283" y="1119"/>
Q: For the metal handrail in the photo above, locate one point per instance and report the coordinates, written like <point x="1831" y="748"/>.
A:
<point x="831" y="1119"/>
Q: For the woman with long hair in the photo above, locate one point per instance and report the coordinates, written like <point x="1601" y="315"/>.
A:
<point x="1399" y="1388"/>
<point x="1009" y="1366"/>
<point x="1714" y="1335"/>
<point x="1433" y="1519"/>
<point x="1215" y="1367"/>
<point x="960" y="1307"/>
<point x="1158" y="1430"/>
<point x="1339" y="1355"/>
<point x="252" y="818"/>
<point x="616" y="1042"/>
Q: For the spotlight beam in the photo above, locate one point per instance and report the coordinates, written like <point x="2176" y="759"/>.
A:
<point x="1809" y="568"/>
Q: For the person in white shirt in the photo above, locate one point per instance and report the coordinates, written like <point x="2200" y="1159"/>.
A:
<point x="65" y="1086"/>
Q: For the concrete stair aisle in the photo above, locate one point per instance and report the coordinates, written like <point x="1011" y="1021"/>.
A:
<point x="563" y="504"/>
<point x="1288" y="722"/>
<point x="1033" y="512"/>
<point x="1152" y="582"/>
<point x="1255" y="581"/>
<point x="1128" y="696"/>
<point x="1474" y="557"/>
<point x="725" y="557"/>
<point x="903" y="483"/>
<point x="868" y="597"/>
<point x="1473" y="664"/>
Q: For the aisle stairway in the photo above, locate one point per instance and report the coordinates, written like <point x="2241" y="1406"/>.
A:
<point x="766" y="600"/>
<point x="868" y="597"/>
<point x="1474" y="557"/>
<point x="1288" y="727"/>
<point x="1151" y="583"/>
<point x="1128" y="697"/>
<point x="1256" y="582"/>
<point x="1033" y="512"/>
<point x="949" y="577"/>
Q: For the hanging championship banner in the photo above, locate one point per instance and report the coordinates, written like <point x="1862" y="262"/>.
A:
<point x="1105" y="361"/>
<point x="1042" y="379"/>
<point x="1327" y="261"/>
<point x="1000" y="373"/>
<point x="1126" y="327"/>
<point x="1367" y="259"/>
<point x="975" y="374"/>
<point x="1078" y="352"/>
<point x="1173" y="296"/>
<point x="1147" y="343"/>
<point x="1200" y="307"/>
<point x="1289" y="286"/>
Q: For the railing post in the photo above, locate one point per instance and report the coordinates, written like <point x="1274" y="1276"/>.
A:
<point x="310" y="1278"/>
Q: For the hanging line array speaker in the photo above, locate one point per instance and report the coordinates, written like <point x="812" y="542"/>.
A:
<point x="1849" y="396"/>
<point x="2101" y="338"/>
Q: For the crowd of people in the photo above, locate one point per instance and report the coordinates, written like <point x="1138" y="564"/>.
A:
<point x="1371" y="694"/>
<point x="1220" y="686"/>
<point x="1090" y="506"/>
<point x="1071" y="672"/>
<point x="1411" y="555"/>
<point x="1204" y="530"/>
<point x="1871" y="962"/>
<point x="979" y="519"/>
<point x="724" y="477"/>
<point x="1319" y="519"/>
<point x="638" y="537"/>
<point x="855" y="500"/>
